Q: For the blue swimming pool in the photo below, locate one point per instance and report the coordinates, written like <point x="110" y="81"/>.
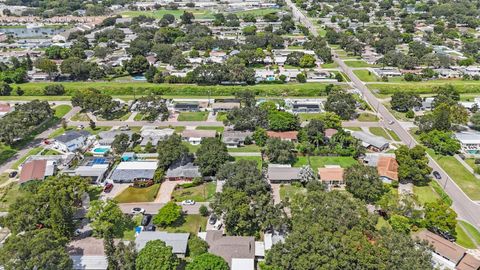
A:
<point x="139" y="78"/>
<point x="100" y="150"/>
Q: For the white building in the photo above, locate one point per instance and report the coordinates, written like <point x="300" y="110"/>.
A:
<point x="469" y="141"/>
<point x="71" y="141"/>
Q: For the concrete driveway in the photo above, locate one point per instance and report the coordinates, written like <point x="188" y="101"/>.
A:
<point x="152" y="207"/>
<point x="164" y="194"/>
<point x="117" y="189"/>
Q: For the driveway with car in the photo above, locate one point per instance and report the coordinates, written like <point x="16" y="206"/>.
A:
<point x="164" y="194"/>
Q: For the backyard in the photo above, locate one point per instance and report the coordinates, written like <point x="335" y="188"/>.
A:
<point x="288" y="191"/>
<point x="133" y="194"/>
<point x="320" y="162"/>
<point x="200" y="193"/>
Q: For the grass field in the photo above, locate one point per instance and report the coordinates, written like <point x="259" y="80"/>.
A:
<point x="425" y="87"/>
<point x="61" y="110"/>
<point x="357" y="63"/>
<point x="378" y="131"/>
<point x="288" y="191"/>
<point x="367" y="117"/>
<point x="462" y="177"/>
<point x="6" y="152"/>
<point x="393" y="135"/>
<point x="200" y="193"/>
<point x="217" y="129"/>
<point x="35" y="90"/>
<point x="329" y="65"/>
<point x="132" y="194"/>
<point x="192" y="116"/>
<point x="425" y="194"/>
<point x="365" y="75"/>
<point x="158" y="14"/>
<point x="190" y="223"/>
<point x="31" y="152"/>
<point x="221" y="116"/>
<point x="257" y="12"/>
<point x="474" y="233"/>
<point x="308" y="116"/>
<point x="246" y="148"/>
<point x="8" y="194"/>
<point x="256" y="159"/>
<point x="463" y="239"/>
<point x="80" y="117"/>
<point x="320" y="162"/>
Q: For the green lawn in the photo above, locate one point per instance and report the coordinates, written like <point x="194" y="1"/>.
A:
<point x="257" y="12"/>
<point x="80" y="117"/>
<point x="425" y="194"/>
<point x="191" y="148"/>
<point x="193" y="116"/>
<point x="330" y="65"/>
<point x="357" y="63"/>
<point x="4" y="178"/>
<point x="378" y="131"/>
<point x="50" y="152"/>
<point x="95" y="131"/>
<point x="256" y="159"/>
<point x="382" y="223"/>
<point x="158" y="14"/>
<point x="31" y="152"/>
<point x="61" y="110"/>
<point x="6" y="152"/>
<point x="354" y="128"/>
<point x="393" y="135"/>
<point x="365" y="75"/>
<point x="463" y="239"/>
<point x="308" y="116"/>
<point x="8" y="194"/>
<point x="190" y="223"/>
<point x="217" y="129"/>
<point x="462" y="177"/>
<point x="471" y="230"/>
<point x="367" y="117"/>
<point x="177" y="129"/>
<point x="221" y="116"/>
<point x="471" y="162"/>
<point x="425" y="87"/>
<point x="129" y="232"/>
<point x="289" y="191"/>
<point x="200" y="193"/>
<point x="132" y="194"/>
<point x="320" y="162"/>
<point x="246" y="148"/>
<point x="125" y="90"/>
<point x="138" y="117"/>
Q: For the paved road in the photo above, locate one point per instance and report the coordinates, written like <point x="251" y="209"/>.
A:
<point x="466" y="209"/>
<point x="146" y="123"/>
<point x="152" y="207"/>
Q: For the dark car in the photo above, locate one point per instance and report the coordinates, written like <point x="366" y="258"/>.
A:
<point x="146" y="219"/>
<point x="12" y="174"/>
<point x="437" y="175"/>
<point x="108" y="187"/>
<point x="149" y="228"/>
<point x="212" y="220"/>
<point x="442" y="233"/>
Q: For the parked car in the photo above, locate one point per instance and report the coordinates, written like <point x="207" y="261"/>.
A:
<point x="149" y="228"/>
<point x="12" y="174"/>
<point x="138" y="210"/>
<point x="390" y="122"/>
<point x="146" y="219"/>
<point x="108" y="187"/>
<point x="442" y="233"/>
<point x="212" y="220"/>
<point x="218" y="225"/>
<point x="188" y="202"/>
<point x="437" y="175"/>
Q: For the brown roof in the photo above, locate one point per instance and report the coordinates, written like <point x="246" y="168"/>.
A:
<point x="331" y="174"/>
<point x="443" y="247"/>
<point x="33" y="170"/>
<point x="387" y="167"/>
<point x="225" y="105"/>
<point x="469" y="262"/>
<point x="229" y="247"/>
<point x="286" y="135"/>
<point x="329" y="132"/>
<point x="4" y="107"/>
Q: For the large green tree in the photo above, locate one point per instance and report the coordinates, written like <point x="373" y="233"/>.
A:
<point x="156" y="256"/>
<point x="168" y="214"/>
<point x="342" y="103"/>
<point x="208" y="261"/>
<point x="211" y="155"/>
<point x="107" y="219"/>
<point x="404" y="101"/>
<point x="282" y="121"/>
<point x="364" y="183"/>
<point x="438" y="214"/>
<point x="171" y="150"/>
<point x="412" y="164"/>
<point x="279" y="151"/>
<point x="442" y="142"/>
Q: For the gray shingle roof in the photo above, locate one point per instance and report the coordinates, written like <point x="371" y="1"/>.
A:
<point x="72" y="135"/>
<point x="369" y="139"/>
<point x="188" y="171"/>
<point x="277" y="173"/>
<point x="178" y="241"/>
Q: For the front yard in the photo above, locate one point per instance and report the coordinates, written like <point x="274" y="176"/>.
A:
<point x="200" y="193"/>
<point x="188" y="223"/>
<point x="133" y="194"/>
<point x="192" y="116"/>
<point x="320" y="162"/>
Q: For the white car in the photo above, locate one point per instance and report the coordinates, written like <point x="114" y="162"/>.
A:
<point x="138" y="210"/>
<point x="218" y="225"/>
<point x="188" y="202"/>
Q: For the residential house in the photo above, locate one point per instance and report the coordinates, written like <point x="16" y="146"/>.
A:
<point x="177" y="241"/>
<point x="427" y="104"/>
<point x="469" y="141"/>
<point x="107" y="137"/>
<point x="195" y="137"/>
<point x="92" y="168"/>
<point x="371" y="142"/>
<point x="88" y="254"/>
<point x="304" y="105"/>
<point x="318" y="76"/>
<point x="283" y="135"/>
<point x="282" y="174"/>
<point x="153" y="135"/>
<point x="387" y="72"/>
<point x="264" y="75"/>
<point x="235" y="138"/>
<point x="36" y="170"/>
<point x="237" y="251"/>
<point x="387" y="168"/>
<point x="129" y="171"/>
<point x="224" y="106"/>
<point x="329" y="132"/>
<point x="4" y="109"/>
<point x="186" y="107"/>
<point x="183" y="170"/>
<point x="448" y="255"/>
<point x="71" y="141"/>
<point x="332" y="176"/>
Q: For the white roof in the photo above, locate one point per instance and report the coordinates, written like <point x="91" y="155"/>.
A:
<point x="243" y="264"/>
<point x="137" y="165"/>
<point x="259" y="249"/>
<point x="468" y="137"/>
<point x="89" y="262"/>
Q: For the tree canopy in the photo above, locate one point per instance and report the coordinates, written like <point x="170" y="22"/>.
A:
<point x="364" y="183"/>
<point x="156" y="256"/>
<point x="208" y="261"/>
<point x="211" y="155"/>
